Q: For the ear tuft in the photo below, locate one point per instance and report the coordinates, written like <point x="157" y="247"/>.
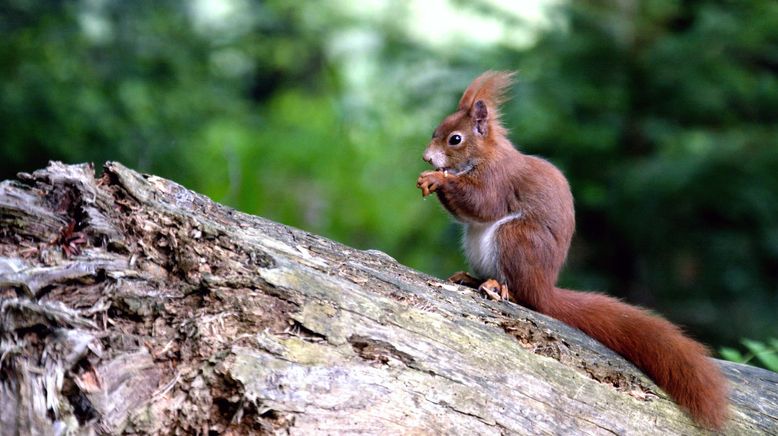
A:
<point x="484" y="96"/>
<point x="489" y="87"/>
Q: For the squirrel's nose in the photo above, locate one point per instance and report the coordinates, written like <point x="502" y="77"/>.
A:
<point x="427" y="157"/>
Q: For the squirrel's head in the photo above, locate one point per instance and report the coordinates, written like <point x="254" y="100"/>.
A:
<point x="464" y="139"/>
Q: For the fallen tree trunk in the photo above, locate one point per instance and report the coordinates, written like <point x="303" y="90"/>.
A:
<point x="132" y="305"/>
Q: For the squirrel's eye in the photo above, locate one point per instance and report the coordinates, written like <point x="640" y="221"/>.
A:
<point x="454" y="140"/>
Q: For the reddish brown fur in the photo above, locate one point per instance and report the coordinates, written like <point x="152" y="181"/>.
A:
<point x="492" y="180"/>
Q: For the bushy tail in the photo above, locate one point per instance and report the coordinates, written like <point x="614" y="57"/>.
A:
<point x="676" y="363"/>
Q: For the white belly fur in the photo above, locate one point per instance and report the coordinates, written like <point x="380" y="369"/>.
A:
<point x="481" y="247"/>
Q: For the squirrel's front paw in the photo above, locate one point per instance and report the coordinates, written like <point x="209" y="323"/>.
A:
<point x="430" y="181"/>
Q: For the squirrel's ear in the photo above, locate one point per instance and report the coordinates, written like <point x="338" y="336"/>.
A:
<point x="480" y="114"/>
<point x="482" y="100"/>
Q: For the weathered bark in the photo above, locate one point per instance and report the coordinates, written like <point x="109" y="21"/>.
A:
<point x="132" y="305"/>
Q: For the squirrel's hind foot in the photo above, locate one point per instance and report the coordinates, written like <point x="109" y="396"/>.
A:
<point x="494" y="290"/>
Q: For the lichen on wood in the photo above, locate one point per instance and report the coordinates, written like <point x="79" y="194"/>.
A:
<point x="130" y="304"/>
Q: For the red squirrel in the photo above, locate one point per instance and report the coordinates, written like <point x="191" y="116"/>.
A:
<point x="518" y="215"/>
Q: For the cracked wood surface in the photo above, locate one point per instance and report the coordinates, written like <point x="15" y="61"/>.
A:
<point x="132" y="305"/>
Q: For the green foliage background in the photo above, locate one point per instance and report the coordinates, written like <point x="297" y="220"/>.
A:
<point x="663" y="114"/>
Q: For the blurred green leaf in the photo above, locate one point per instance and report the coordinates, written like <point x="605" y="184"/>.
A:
<point x="768" y="356"/>
<point x="732" y="355"/>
